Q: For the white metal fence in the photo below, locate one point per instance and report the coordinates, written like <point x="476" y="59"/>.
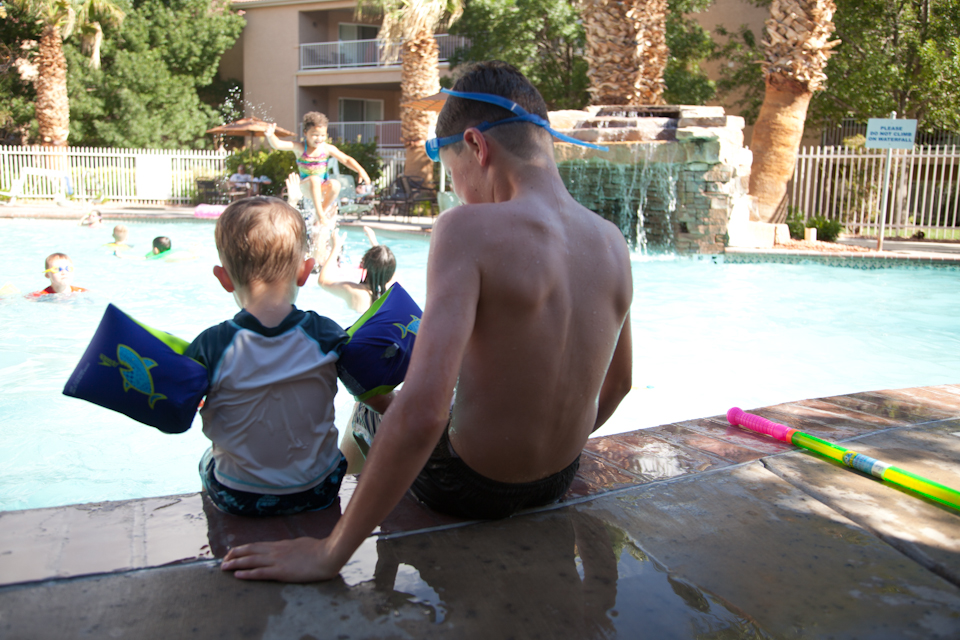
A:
<point x="393" y="160"/>
<point x="133" y="176"/>
<point x="385" y="132"/>
<point x="129" y="176"/>
<point x="364" y="53"/>
<point x="845" y="184"/>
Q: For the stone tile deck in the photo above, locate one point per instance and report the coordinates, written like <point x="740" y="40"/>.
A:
<point x="694" y="529"/>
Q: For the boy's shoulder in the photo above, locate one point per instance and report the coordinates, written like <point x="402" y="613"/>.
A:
<point x="212" y="342"/>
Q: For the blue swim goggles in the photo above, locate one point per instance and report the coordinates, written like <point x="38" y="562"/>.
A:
<point x="435" y="144"/>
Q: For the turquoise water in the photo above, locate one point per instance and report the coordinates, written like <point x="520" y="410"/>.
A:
<point x="706" y="337"/>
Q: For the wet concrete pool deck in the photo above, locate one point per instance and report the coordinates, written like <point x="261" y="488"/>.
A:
<point x="694" y="529"/>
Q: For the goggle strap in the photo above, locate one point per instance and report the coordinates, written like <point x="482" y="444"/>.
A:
<point x="513" y="107"/>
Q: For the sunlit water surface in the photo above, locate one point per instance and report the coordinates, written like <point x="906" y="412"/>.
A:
<point x="706" y="336"/>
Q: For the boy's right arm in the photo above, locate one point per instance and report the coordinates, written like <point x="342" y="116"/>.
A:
<point x="619" y="379"/>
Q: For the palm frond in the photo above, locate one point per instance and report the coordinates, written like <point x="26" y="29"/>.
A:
<point x="91" y="39"/>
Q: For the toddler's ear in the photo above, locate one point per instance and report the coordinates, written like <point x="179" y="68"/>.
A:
<point x="221" y="274"/>
<point x="305" y="270"/>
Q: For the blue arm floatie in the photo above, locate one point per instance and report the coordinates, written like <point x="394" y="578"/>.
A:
<point x="140" y="372"/>
<point x="375" y="359"/>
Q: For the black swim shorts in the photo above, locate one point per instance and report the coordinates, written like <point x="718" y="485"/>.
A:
<point x="244" y="503"/>
<point x="446" y="484"/>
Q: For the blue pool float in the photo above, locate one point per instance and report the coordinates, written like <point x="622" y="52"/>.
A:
<point x="140" y="372"/>
<point x="375" y="359"/>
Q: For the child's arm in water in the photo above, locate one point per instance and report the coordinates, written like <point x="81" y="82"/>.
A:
<point x="350" y="162"/>
<point x="278" y="144"/>
<point x="371" y="236"/>
<point x="356" y="295"/>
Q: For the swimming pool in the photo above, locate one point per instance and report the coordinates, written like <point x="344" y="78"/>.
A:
<point x="706" y="336"/>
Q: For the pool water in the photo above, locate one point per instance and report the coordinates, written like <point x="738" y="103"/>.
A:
<point x="706" y="336"/>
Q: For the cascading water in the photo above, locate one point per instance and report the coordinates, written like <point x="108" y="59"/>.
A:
<point x="672" y="176"/>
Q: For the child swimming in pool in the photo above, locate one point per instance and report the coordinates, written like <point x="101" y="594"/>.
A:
<point x="273" y="377"/>
<point x="312" y="157"/>
<point x="120" y="233"/>
<point x="162" y="245"/>
<point x="58" y="268"/>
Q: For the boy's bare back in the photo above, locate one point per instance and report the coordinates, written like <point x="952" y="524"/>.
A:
<point x="552" y="287"/>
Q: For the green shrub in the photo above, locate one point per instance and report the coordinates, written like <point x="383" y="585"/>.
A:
<point x="827" y="230"/>
<point x="276" y="165"/>
<point x="795" y="223"/>
<point x="366" y="154"/>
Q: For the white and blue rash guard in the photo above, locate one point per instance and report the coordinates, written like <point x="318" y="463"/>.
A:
<point x="269" y="410"/>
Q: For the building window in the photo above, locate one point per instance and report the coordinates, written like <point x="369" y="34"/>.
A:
<point x="358" y="31"/>
<point x="356" y="110"/>
<point x="358" y="119"/>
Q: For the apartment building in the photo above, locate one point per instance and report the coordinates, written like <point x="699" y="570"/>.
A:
<point x="296" y="56"/>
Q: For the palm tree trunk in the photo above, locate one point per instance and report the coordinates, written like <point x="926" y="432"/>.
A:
<point x="626" y="50"/>
<point x="52" y="106"/>
<point x="776" y="139"/>
<point x="652" y="51"/>
<point x="796" y="50"/>
<point x="419" y="77"/>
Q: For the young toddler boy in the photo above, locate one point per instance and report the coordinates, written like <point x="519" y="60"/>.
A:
<point x="120" y="233"/>
<point x="269" y="410"/>
<point x="58" y="268"/>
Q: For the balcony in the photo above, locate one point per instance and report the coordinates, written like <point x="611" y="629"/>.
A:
<point x="347" y="54"/>
<point x="385" y="132"/>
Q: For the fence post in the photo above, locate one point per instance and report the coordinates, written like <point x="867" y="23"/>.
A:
<point x="886" y="185"/>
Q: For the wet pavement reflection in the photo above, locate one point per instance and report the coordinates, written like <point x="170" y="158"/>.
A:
<point x="560" y="574"/>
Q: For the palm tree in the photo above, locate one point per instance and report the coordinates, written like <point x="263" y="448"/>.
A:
<point x="58" y="19"/>
<point x="411" y="25"/>
<point x="626" y="50"/>
<point x="796" y="51"/>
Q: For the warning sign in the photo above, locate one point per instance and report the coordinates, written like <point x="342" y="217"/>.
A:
<point x="890" y="134"/>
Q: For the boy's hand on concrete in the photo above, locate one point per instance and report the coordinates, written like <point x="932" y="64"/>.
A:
<point x="299" y="560"/>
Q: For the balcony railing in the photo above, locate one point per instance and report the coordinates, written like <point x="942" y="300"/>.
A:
<point x="385" y="132"/>
<point x="350" y="54"/>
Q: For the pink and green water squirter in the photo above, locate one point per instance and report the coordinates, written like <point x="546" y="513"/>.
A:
<point x="884" y="471"/>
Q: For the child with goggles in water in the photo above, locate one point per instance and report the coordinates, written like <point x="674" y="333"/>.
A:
<point x="59" y="270"/>
<point x="312" y="157"/>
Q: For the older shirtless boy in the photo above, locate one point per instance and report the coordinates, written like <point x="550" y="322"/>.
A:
<point x="527" y="314"/>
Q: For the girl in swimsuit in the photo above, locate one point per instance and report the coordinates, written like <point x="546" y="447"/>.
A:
<point x="312" y="156"/>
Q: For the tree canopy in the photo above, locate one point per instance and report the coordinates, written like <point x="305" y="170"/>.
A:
<point x="895" y="55"/>
<point x="18" y="40"/>
<point x="156" y="86"/>
<point x="545" y="40"/>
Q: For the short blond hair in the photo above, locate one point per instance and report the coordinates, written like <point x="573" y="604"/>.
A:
<point x="120" y="232"/>
<point x="56" y="256"/>
<point x="261" y="239"/>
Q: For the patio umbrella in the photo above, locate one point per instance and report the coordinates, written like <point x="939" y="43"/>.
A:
<point x="427" y="103"/>
<point x="247" y="127"/>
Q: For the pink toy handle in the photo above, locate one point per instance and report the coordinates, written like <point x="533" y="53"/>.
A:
<point x="737" y="416"/>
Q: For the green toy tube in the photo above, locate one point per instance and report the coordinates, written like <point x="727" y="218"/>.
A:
<point x="886" y="472"/>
